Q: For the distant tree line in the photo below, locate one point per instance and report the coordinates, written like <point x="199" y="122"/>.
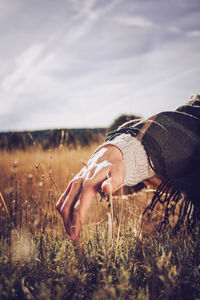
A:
<point x="55" y="138"/>
<point x="50" y="139"/>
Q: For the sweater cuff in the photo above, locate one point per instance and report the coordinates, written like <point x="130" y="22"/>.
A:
<point x="134" y="157"/>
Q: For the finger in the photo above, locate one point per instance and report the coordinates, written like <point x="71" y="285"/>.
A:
<point x="75" y="227"/>
<point x="63" y="196"/>
<point x="114" y="179"/>
<point x="89" y="191"/>
<point x="67" y="208"/>
<point x="79" y="213"/>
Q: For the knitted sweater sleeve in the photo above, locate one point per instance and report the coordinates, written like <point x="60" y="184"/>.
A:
<point x="134" y="157"/>
<point x="171" y="141"/>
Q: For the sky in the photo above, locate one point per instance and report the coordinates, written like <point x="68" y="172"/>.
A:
<point x="82" y="63"/>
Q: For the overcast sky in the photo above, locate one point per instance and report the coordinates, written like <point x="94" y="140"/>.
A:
<point x="82" y="63"/>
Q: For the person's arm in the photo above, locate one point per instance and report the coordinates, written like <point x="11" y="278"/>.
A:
<point x="122" y="161"/>
<point x="168" y="141"/>
<point x="105" y="172"/>
<point x="134" y="157"/>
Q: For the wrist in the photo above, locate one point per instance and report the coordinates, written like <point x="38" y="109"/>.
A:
<point x="114" y="151"/>
<point x="134" y="158"/>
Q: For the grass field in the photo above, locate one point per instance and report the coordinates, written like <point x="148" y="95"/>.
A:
<point x="116" y="257"/>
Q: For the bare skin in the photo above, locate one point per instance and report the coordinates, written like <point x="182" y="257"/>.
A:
<point x="105" y="171"/>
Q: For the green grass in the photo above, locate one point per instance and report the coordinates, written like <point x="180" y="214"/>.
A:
<point x="49" y="267"/>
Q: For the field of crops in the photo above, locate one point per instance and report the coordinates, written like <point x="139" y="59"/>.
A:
<point x="118" y="256"/>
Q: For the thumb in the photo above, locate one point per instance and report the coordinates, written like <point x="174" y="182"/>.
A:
<point x="107" y="186"/>
<point x="114" y="179"/>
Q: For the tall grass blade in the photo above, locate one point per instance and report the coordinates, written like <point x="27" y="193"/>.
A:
<point x="7" y="211"/>
<point x="5" y="206"/>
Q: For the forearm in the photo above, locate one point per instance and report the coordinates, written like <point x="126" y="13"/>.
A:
<point x="134" y="157"/>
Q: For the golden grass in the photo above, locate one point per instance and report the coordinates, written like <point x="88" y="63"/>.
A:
<point x="31" y="183"/>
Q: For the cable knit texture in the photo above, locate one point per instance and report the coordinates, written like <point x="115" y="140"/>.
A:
<point x="135" y="158"/>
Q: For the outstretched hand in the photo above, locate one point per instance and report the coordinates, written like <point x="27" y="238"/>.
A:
<point x="105" y="171"/>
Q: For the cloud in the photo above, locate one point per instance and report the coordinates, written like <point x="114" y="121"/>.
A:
<point x="194" y="33"/>
<point x="23" y="66"/>
<point x="82" y="63"/>
<point x="137" y="21"/>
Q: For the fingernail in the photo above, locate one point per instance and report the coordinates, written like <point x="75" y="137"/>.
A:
<point x="73" y="237"/>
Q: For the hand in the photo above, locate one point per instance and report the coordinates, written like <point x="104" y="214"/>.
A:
<point x="105" y="171"/>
